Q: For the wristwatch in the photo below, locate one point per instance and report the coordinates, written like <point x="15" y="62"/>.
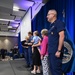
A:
<point x="59" y="50"/>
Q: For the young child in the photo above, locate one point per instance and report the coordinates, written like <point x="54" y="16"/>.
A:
<point x="36" y="39"/>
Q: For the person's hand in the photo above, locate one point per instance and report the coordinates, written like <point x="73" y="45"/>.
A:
<point x="32" y="50"/>
<point x="33" y="46"/>
<point x="25" y="43"/>
<point x="57" y="54"/>
<point x="42" y="57"/>
<point x="39" y="51"/>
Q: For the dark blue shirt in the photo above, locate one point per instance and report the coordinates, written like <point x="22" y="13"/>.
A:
<point x="30" y="39"/>
<point x="53" y="35"/>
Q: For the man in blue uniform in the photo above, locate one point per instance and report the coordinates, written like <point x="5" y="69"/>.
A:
<point x="55" y="42"/>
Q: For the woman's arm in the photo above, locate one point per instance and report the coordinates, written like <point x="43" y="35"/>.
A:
<point x="39" y="43"/>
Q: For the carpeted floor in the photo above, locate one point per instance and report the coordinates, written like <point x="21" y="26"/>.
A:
<point x="14" y="67"/>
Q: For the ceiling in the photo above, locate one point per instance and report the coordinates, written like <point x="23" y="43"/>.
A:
<point x="9" y="18"/>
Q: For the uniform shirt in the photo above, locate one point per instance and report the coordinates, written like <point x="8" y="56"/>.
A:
<point x="53" y="35"/>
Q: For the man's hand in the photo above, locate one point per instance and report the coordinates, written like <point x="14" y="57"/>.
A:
<point x="25" y="43"/>
<point x="57" y="54"/>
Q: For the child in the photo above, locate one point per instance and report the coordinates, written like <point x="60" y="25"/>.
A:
<point x="36" y="39"/>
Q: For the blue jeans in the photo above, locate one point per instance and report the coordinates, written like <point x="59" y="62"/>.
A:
<point x="26" y="56"/>
<point x="30" y="55"/>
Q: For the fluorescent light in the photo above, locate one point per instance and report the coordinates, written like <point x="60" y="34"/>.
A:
<point x="9" y="26"/>
<point x="10" y="20"/>
<point x="6" y="20"/>
<point x="15" y="8"/>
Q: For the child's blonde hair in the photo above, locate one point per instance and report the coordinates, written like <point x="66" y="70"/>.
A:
<point x="27" y="37"/>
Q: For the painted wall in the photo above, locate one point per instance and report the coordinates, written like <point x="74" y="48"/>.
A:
<point x="8" y="42"/>
<point x="8" y="34"/>
<point x="26" y="25"/>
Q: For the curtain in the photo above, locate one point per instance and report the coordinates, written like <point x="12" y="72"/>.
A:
<point x="19" y="43"/>
<point x="70" y="17"/>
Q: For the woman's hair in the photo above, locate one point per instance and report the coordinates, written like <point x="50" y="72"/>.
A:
<point x="36" y="33"/>
<point x="44" y="32"/>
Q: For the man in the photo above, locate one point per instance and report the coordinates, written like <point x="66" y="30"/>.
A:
<point x="25" y="50"/>
<point x="55" y="42"/>
<point x="30" y="50"/>
<point x="3" y="54"/>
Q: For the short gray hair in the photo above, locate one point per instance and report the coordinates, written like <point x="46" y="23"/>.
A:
<point x="44" y="32"/>
<point x="54" y="11"/>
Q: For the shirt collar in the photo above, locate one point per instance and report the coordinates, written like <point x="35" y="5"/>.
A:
<point x="54" y="21"/>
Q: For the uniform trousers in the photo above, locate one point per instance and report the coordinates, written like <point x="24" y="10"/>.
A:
<point x="55" y="64"/>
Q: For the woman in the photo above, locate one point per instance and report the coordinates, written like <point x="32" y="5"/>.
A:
<point x="36" y="54"/>
<point x="44" y="52"/>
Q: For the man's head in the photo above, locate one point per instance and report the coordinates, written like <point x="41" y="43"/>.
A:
<point x="52" y="15"/>
<point x="30" y="34"/>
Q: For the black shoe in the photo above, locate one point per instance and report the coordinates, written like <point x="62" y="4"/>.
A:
<point x="27" y="66"/>
<point x="31" y="68"/>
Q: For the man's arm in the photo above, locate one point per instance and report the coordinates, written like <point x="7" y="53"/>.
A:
<point x="24" y="46"/>
<point x="61" y="40"/>
<point x="29" y="44"/>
